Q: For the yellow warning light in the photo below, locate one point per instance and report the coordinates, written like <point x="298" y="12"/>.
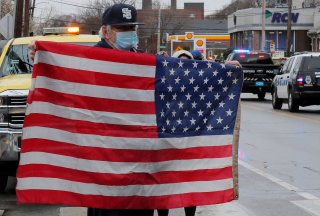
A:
<point x="73" y="29"/>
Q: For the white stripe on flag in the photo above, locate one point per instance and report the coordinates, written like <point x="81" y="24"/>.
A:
<point x="92" y="116"/>
<point x="38" y="183"/>
<point x="122" y="167"/>
<point x="95" y="65"/>
<point x="125" y="143"/>
<point x="94" y="90"/>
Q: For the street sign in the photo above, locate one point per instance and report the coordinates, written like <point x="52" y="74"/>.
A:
<point x="6" y="26"/>
<point x="179" y="48"/>
<point x="189" y="36"/>
<point x="200" y="44"/>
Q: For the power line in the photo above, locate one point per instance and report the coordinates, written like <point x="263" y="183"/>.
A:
<point x="153" y="12"/>
<point x="142" y="28"/>
<point x="83" y="6"/>
<point x="75" y="5"/>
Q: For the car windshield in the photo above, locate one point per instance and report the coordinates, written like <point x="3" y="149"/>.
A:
<point x="253" y="58"/>
<point x="311" y="64"/>
<point x="17" y="60"/>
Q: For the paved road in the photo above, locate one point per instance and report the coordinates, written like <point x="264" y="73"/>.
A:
<point x="283" y="149"/>
<point x="279" y="167"/>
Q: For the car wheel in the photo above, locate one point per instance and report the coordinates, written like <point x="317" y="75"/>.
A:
<point x="276" y="102"/>
<point x="261" y="95"/>
<point x="293" y="104"/>
<point x="3" y="182"/>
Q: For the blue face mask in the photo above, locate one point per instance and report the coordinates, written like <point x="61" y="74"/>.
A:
<point x="126" y="40"/>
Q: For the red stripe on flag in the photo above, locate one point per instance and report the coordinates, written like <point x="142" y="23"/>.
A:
<point x="124" y="155"/>
<point x="30" y="97"/>
<point x="97" y="53"/>
<point x="49" y="171"/>
<point x="34" y="70"/>
<point x="86" y="127"/>
<point x="91" y="103"/>
<point x="130" y="202"/>
<point x="95" y="78"/>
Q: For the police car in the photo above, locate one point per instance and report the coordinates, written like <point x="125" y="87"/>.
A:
<point x="259" y="71"/>
<point x="15" y="81"/>
<point x="298" y="83"/>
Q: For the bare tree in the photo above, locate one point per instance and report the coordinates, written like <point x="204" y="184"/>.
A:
<point x="171" y="21"/>
<point x="5" y="7"/>
<point x="233" y="7"/>
<point x="44" y="20"/>
<point x="90" y="17"/>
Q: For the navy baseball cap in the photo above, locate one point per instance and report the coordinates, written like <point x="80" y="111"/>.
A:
<point x="120" y="15"/>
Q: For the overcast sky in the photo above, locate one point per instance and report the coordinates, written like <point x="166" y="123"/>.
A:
<point x="61" y="6"/>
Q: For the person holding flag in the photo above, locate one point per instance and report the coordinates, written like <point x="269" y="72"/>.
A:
<point x="118" y="32"/>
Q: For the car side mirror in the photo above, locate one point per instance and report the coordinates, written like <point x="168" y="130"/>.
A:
<point x="281" y="72"/>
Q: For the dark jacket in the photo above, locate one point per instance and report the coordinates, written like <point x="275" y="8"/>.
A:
<point x="103" y="44"/>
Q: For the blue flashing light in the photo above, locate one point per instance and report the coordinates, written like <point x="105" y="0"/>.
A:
<point x="241" y="51"/>
<point x="300" y="79"/>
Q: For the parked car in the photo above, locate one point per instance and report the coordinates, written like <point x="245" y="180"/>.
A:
<point x="298" y="83"/>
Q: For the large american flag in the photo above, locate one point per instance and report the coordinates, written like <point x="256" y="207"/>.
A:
<point x="120" y="130"/>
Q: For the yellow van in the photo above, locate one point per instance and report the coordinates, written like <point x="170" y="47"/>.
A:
<point x="15" y="80"/>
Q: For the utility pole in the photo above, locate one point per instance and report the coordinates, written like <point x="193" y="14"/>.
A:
<point x="32" y="8"/>
<point x="26" y="19"/>
<point x="263" y="24"/>
<point x="0" y="8"/>
<point x="288" y="42"/>
<point x="18" y="18"/>
<point x="159" y="26"/>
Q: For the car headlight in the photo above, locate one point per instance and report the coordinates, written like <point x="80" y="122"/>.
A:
<point x="3" y="117"/>
<point x="3" y="111"/>
<point x="4" y="143"/>
<point x="3" y="101"/>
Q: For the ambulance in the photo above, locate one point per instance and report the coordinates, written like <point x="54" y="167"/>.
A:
<point x="15" y="81"/>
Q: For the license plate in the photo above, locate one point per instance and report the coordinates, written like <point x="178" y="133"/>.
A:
<point x="259" y="83"/>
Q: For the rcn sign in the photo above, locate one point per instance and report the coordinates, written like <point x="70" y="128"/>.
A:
<point x="278" y="17"/>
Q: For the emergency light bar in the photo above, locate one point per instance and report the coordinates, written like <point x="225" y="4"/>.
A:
<point x="73" y="30"/>
<point x="241" y="51"/>
<point x="61" y="30"/>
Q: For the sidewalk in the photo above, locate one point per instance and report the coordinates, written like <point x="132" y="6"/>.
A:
<point x="230" y="209"/>
<point x="73" y="211"/>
